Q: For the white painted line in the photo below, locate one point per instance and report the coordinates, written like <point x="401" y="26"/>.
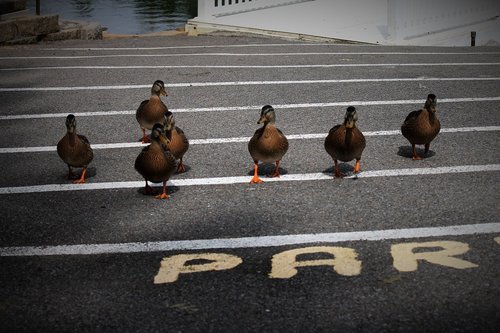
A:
<point x="246" y="179"/>
<point x="251" y="66"/>
<point x="226" y="54"/>
<point x="251" y="242"/>
<point x="249" y="83"/>
<point x="179" y="47"/>
<point x="255" y="107"/>
<point x="15" y="150"/>
<point x="64" y="115"/>
<point x="239" y="46"/>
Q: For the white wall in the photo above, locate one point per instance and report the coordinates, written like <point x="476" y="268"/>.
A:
<point x="208" y="9"/>
<point x="388" y="22"/>
<point x="409" y="19"/>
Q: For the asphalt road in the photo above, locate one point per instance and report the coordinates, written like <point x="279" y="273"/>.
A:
<point x="406" y="246"/>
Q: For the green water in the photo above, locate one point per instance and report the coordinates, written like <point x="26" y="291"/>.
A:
<point x="123" y="16"/>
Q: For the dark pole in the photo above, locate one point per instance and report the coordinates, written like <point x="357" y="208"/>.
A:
<point x="37" y="7"/>
<point x="472" y="38"/>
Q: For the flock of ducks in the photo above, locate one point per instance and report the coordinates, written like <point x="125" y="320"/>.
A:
<point x="163" y="157"/>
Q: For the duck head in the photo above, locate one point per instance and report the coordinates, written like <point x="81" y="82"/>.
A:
<point x="431" y="102"/>
<point x="267" y="115"/>
<point x="168" y="121"/>
<point x="351" y="117"/>
<point x="70" y="123"/>
<point x="158" y="88"/>
<point x="158" y="135"/>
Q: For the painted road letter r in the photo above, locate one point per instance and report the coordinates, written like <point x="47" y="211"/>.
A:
<point x="406" y="260"/>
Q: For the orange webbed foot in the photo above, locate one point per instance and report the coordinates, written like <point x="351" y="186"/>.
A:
<point x="276" y="171"/>
<point x="145" y="138"/>
<point x="256" y="180"/>
<point x="357" y="166"/>
<point x="82" y="178"/>
<point x="162" y="196"/>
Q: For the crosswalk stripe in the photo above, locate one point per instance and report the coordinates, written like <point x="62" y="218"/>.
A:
<point x="13" y="69"/>
<point x="15" y="150"/>
<point x="247" y="83"/>
<point x="246" y="179"/>
<point x="251" y="242"/>
<point x="255" y="107"/>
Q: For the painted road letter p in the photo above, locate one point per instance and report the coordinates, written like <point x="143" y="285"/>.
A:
<point x="172" y="267"/>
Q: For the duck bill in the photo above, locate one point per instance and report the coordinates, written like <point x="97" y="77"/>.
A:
<point x="164" y="140"/>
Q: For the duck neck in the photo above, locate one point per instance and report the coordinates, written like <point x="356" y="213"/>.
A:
<point x="269" y="125"/>
<point x="155" y="98"/>
<point x="432" y="115"/>
<point x="72" y="136"/>
<point x="348" y="134"/>
<point x="156" y="145"/>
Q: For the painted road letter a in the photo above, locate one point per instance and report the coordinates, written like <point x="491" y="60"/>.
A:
<point x="284" y="264"/>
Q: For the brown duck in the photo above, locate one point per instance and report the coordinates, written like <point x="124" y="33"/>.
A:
<point x="152" y="110"/>
<point x="75" y="150"/>
<point x="179" y="143"/>
<point x="345" y="142"/>
<point x="155" y="162"/>
<point x="422" y="126"/>
<point x="268" y="144"/>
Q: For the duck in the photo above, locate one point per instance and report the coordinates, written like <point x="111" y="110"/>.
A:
<point x="179" y="143"/>
<point x="268" y="144"/>
<point x="155" y="162"/>
<point x="74" y="149"/>
<point x="152" y="110"/>
<point x="422" y="126"/>
<point x="346" y="142"/>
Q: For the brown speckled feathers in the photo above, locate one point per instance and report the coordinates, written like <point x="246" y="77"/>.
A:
<point x="421" y="127"/>
<point x="155" y="162"/>
<point x="268" y="144"/>
<point x="345" y="144"/>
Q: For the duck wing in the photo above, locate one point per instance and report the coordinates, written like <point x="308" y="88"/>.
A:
<point x="412" y="116"/>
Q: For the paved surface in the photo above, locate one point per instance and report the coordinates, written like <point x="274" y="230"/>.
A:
<point x="80" y="288"/>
